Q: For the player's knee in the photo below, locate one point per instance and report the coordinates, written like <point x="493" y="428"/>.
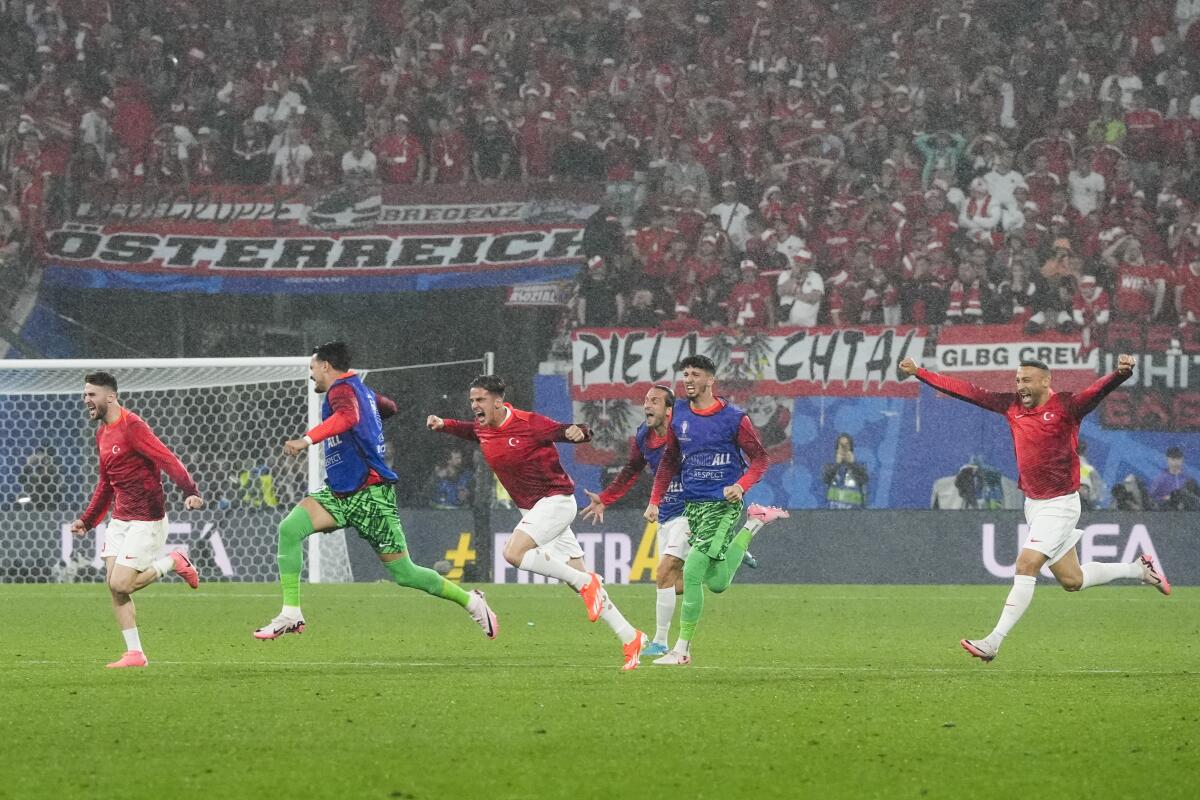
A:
<point x="514" y="553"/>
<point x="121" y="587"/>
<point x="1072" y="584"/>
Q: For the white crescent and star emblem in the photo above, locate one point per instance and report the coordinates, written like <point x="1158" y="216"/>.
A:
<point x="116" y="449"/>
<point x="1048" y="416"/>
<point x="513" y="441"/>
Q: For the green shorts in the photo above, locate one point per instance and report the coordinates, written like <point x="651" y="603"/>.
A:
<point x="713" y="525"/>
<point x="371" y="511"/>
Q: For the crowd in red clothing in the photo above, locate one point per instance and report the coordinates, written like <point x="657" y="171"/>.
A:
<point x="768" y="161"/>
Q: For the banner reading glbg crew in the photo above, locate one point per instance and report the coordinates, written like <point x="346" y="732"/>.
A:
<point x="255" y="239"/>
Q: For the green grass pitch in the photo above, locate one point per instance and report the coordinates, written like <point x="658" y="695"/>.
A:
<point x="796" y="691"/>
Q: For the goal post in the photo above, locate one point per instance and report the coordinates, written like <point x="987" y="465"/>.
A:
<point x="226" y="419"/>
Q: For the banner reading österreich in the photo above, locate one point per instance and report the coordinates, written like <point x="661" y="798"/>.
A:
<point x="275" y="239"/>
<point x="624" y="363"/>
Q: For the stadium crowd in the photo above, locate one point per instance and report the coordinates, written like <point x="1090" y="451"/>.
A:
<point x="779" y="161"/>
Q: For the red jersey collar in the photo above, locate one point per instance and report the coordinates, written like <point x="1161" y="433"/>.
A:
<point x="716" y="406"/>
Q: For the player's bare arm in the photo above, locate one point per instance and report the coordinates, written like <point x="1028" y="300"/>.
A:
<point x="594" y="512"/>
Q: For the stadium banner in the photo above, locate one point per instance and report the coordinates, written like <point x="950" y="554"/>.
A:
<point x="554" y="295"/>
<point x="622" y="363"/>
<point x="883" y="547"/>
<point x="990" y="354"/>
<point x="1164" y="393"/>
<point x="828" y="547"/>
<point x="257" y="239"/>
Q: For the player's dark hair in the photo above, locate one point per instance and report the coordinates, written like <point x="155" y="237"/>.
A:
<point x="670" y="398"/>
<point x="492" y="384"/>
<point x="101" y="379"/>
<point x="1174" y="452"/>
<point x="699" y="362"/>
<point x="335" y="354"/>
<point x="1030" y="362"/>
<point x="849" y="441"/>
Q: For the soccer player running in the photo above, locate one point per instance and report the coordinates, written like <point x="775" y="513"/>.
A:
<point x="131" y="460"/>
<point x="647" y="448"/>
<point x="359" y="493"/>
<point x="704" y="449"/>
<point x="519" y="447"/>
<point x="1045" y="431"/>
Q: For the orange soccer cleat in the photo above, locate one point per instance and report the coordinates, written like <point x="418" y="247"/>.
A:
<point x="593" y="597"/>
<point x="132" y="658"/>
<point x="185" y="569"/>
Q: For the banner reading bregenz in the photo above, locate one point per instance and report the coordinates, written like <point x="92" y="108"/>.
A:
<point x="260" y="239"/>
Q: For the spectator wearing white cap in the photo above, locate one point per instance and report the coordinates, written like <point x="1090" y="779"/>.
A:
<point x="1090" y="308"/>
<point x="750" y="304"/>
<point x="801" y="290"/>
<point x="731" y="215"/>
<point x="401" y="154"/>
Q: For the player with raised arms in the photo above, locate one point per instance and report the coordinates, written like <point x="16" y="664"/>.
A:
<point x="704" y="449"/>
<point x="359" y="493"/>
<point x="519" y="447"/>
<point x="131" y="460"/>
<point x="1045" y="432"/>
<point x="646" y="450"/>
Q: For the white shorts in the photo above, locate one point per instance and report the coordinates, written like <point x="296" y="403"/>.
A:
<point x="1052" y="525"/>
<point x="673" y="538"/>
<point x="134" y="543"/>
<point x="548" y="523"/>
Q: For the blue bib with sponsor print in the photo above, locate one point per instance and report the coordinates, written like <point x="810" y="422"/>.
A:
<point x="711" y="458"/>
<point x="350" y="456"/>
<point x="672" y="502"/>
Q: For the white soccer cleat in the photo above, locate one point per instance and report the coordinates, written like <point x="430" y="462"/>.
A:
<point x="979" y="648"/>
<point x="279" y="626"/>
<point x="673" y="659"/>
<point x="482" y="613"/>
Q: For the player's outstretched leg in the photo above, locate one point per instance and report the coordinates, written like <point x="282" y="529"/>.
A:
<point x="1015" y="605"/>
<point x="414" y="576"/>
<point x="1096" y="573"/>
<point x="293" y="530"/>
<point x="722" y="572"/>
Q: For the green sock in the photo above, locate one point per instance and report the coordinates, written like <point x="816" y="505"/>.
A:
<point x="296" y="526"/>
<point x="694" y="570"/>
<point x="723" y="571"/>
<point x="406" y="573"/>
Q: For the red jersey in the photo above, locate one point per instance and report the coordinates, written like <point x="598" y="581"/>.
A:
<point x="1046" y="438"/>
<point x="1189" y="299"/>
<point x="522" y="454"/>
<point x="1136" y="286"/>
<point x="131" y="458"/>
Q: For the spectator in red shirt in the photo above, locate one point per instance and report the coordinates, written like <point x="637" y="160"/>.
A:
<point x="535" y="146"/>
<point x="750" y="302"/>
<point x="1090" y="310"/>
<point x="1187" y="299"/>
<point x="450" y="154"/>
<point x="401" y="154"/>
<point x="1140" y="286"/>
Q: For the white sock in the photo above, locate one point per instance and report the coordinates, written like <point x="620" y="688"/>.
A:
<point x="753" y="525"/>
<point x="292" y="612"/>
<point x="1018" y="600"/>
<point x="1096" y="573"/>
<point x="664" y="612"/>
<point x="132" y="640"/>
<point x="163" y="566"/>
<point x="683" y="646"/>
<point x="539" y="561"/>
<point x="616" y="620"/>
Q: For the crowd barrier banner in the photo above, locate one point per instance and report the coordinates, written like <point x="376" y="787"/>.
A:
<point x="257" y="239"/>
<point x="990" y="354"/>
<point x="901" y="547"/>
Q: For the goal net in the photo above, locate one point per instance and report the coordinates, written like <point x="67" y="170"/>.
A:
<point x="225" y="418"/>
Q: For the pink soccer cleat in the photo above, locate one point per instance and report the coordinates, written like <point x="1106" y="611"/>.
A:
<point x="1154" y="575"/>
<point x="132" y="658"/>
<point x="978" y="648"/>
<point x="279" y="626"/>
<point x="766" y="514"/>
<point x="185" y="569"/>
<point x="482" y="613"/>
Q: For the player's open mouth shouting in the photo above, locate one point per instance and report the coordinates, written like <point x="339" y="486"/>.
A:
<point x="1026" y="396"/>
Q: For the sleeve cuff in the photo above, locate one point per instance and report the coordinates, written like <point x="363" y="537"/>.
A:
<point x="308" y="439"/>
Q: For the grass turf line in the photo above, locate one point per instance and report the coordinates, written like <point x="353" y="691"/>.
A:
<point x="797" y="691"/>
